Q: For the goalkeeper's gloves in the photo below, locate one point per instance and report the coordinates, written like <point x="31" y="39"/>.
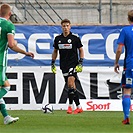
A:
<point x="53" y="67"/>
<point x="79" y="67"/>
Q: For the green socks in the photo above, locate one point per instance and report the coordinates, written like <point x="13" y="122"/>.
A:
<point x="3" y="110"/>
<point x="3" y="91"/>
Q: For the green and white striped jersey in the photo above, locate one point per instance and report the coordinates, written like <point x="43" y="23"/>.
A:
<point x="6" y="27"/>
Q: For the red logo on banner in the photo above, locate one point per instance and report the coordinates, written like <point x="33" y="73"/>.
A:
<point x="94" y="107"/>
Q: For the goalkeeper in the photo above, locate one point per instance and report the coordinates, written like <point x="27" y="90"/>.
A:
<point x="71" y="59"/>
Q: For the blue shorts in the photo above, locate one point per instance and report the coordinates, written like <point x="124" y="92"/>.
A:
<point x="127" y="79"/>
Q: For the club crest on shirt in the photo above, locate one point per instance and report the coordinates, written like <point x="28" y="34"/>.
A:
<point x="59" y="41"/>
<point x="69" y="40"/>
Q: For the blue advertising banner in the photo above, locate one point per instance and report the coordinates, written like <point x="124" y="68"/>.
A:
<point x="99" y="43"/>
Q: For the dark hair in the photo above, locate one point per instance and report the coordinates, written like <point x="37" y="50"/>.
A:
<point x="65" y="21"/>
<point x="130" y="15"/>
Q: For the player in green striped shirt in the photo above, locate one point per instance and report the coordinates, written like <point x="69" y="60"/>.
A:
<point x="7" y="32"/>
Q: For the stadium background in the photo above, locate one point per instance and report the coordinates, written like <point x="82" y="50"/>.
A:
<point x="98" y="24"/>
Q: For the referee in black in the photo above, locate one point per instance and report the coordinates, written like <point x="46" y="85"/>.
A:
<point x="71" y="59"/>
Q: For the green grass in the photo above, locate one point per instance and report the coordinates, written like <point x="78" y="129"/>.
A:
<point x="60" y="122"/>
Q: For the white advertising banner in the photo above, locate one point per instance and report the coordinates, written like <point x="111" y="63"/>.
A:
<point x="33" y="87"/>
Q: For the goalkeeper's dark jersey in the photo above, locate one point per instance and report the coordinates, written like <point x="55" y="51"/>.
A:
<point x="68" y="50"/>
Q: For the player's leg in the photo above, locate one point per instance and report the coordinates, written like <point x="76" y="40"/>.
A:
<point x="7" y="119"/>
<point x="76" y="97"/>
<point x="4" y="88"/>
<point x="73" y="94"/>
<point x="126" y="103"/>
<point x="4" y="84"/>
<point x="71" y="89"/>
<point x="3" y="108"/>
<point x="76" y="94"/>
<point x="69" y="110"/>
<point x="69" y="79"/>
<point x="77" y="102"/>
<point x="127" y="83"/>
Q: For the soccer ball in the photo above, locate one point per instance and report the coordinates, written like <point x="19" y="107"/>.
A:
<point x="48" y="108"/>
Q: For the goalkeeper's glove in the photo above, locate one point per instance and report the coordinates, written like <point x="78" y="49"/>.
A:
<point x="53" y="67"/>
<point x="79" y="67"/>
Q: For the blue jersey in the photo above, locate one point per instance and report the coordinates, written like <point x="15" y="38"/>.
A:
<point x="126" y="38"/>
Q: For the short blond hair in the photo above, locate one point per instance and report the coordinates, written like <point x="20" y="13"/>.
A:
<point x="4" y="10"/>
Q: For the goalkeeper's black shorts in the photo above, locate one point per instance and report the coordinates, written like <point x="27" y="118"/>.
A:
<point x="70" y="72"/>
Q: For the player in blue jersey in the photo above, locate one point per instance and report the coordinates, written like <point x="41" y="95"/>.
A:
<point x="126" y="40"/>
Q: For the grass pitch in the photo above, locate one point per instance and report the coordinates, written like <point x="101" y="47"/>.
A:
<point x="60" y="122"/>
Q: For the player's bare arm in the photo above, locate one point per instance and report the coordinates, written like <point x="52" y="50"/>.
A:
<point x="118" y="54"/>
<point x="12" y="44"/>
<point x="81" y="52"/>
<point x="54" y="54"/>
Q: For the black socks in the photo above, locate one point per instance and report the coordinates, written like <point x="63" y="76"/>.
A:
<point x="73" y="95"/>
<point x="70" y="95"/>
<point x="76" y="98"/>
